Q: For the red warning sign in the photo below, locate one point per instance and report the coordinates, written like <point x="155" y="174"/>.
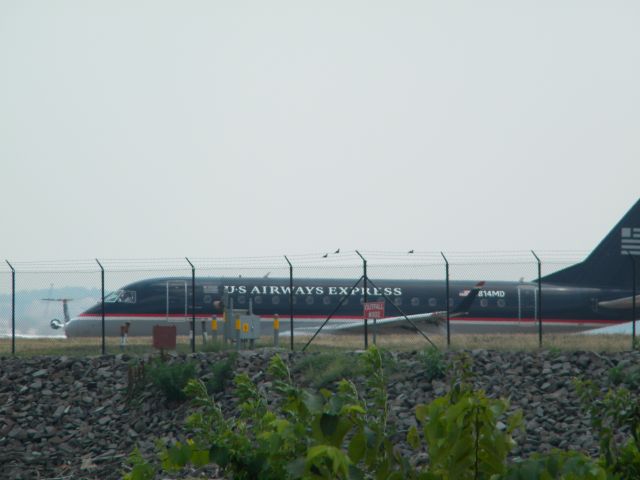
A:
<point x="374" y="310"/>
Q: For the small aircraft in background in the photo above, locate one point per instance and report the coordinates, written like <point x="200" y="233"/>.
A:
<point x="56" y="323"/>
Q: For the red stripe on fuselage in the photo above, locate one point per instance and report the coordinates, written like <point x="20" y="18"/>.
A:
<point x="357" y="317"/>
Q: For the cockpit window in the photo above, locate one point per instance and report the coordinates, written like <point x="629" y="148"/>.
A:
<point x="121" y="296"/>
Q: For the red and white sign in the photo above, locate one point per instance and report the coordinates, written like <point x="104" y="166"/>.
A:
<point x="374" y="310"/>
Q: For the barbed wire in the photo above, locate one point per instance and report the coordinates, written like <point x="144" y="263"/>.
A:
<point x="333" y="259"/>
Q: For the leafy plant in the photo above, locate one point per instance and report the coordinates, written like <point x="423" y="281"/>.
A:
<point x="140" y="468"/>
<point x="259" y="443"/>
<point x="556" y="465"/>
<point x="610" y="412"/>
<point x="616" y="375"/>
<point x="633" y="377"/>
<point x="435" y="366"/>
<point x="303" y="434"/>
<point x="343" y="434"/>
<point x="625" y="373"/>
<point x="172" y="378"/>
<point x="462" y="434"/>
<point x="324" y="369"/>
<point x="372" y="445"/>
<point x="629" y="376"/>
<point x="221" y="374"/>
<point x="554" y="351"/>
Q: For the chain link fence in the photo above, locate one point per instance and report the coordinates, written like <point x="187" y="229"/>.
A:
<point x="302" y="302"/>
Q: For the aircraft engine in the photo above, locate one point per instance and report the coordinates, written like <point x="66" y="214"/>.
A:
<point x="56" y="324"/>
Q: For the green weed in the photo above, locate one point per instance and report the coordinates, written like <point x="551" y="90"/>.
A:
<point x="171" y="378"/>
<point x="320" y="370"/>
<point x="221" y="374"/>
<point x="434" y="363"/>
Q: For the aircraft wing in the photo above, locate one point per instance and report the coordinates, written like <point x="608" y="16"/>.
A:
<point x="432" y="318"/>
<point x="620" y="303"/>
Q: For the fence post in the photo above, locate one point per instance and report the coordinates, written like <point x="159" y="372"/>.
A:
<point x="446" y="264"/>
<point x="349" y="293"/>
<point x="290" y="299"/>
<point x="539" y="306"/>
<point x="193" y="306"/>
<point x="13" y="308"/>
<point x="104" y="348"/>
<point x="366" y="321"/>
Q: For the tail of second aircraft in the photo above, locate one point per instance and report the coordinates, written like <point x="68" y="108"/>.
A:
<point x="56" y="323"/>
<point x="609" y="265"/>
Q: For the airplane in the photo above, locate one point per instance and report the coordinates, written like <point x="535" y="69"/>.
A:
<point x="595" y="292"/>
<point x="57" y="323"/>
<point x="168" y="301"/>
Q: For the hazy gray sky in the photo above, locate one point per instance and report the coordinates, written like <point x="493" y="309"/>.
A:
<point x="211" y="128"/>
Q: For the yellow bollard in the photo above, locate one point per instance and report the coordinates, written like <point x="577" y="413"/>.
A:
<point x="214" y="329"/>
<point x="238" y="332"/>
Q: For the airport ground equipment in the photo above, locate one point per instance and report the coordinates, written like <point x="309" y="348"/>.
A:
<point x="241" y="327"/>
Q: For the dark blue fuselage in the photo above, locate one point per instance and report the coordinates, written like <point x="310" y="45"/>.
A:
<point x="171" y="299"/>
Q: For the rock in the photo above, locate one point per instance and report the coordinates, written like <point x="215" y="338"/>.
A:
<point x="71" y="416"/>
<point x="59" y="411"/>
<point x="18" y="433"/>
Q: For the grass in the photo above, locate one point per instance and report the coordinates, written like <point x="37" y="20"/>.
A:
<point x="93" y="346"/>
<point x="510" y="342"/>
<point x="84" y="346"/>
<point x="330" y="343"/>
<point x="324" y="368"/>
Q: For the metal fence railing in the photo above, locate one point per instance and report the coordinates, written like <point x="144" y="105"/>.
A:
<point x="304" y="301"/>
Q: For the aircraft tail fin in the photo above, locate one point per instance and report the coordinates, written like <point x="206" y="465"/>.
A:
<point x="56" y="323"/>
<point x="609" y="265"/>
<point x="464" y="306"/>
